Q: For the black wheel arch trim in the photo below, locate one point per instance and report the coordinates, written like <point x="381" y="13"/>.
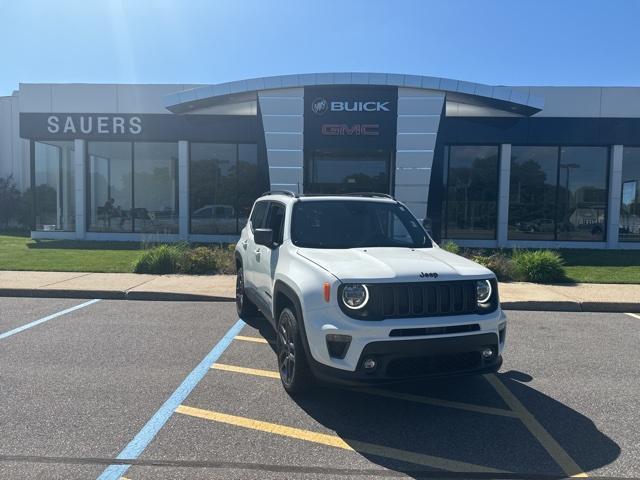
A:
<point x="281" y="287"/>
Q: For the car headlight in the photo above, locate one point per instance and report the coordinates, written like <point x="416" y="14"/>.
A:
<point x="483" y="291"/>
<point x="355" y="295"/>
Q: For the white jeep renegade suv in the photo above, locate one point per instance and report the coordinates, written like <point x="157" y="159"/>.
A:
<point x="359" y="293"/>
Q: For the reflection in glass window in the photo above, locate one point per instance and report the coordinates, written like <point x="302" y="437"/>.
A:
<point x="250" y="184"/>
<point x="558" y="193"/>
<point x="223" y="184"/>
<point x="630" y="206"/>
<point x="334" y="172"/>
<point x="582" y="193"/>
<point x="471" y="178"/>
<point x="54" y="195"/>
<point x="532" y="193"/>
<point x="110" y="194"/>
<point x="156" y="188"/>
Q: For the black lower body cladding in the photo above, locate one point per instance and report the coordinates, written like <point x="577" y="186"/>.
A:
<point x="405" y="360"/>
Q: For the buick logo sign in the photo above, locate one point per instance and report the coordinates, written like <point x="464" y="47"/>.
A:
<point x="320" y="106"/>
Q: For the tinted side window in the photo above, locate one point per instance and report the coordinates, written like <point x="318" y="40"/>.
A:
<point x="275" y="221"/>
<point x="258" y="215"/>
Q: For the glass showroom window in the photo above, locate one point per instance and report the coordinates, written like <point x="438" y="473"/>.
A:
<point x="224" y="183"/>
<point x="582" y="193"/>
<point x="251" y="183"/>
<point x="110" y="201"/>
<point x="471" y="204"/>
<point x="558" y="193"/>
<point x="54" y="192"/>
<point x="155" y="180"/>
<point x="532" y="193"/>
<point x="133" y="187"/>
<point x="213" y="188"/>
<point x="630" y="207"/>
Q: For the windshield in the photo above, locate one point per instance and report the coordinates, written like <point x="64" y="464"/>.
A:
<point x="355" y="223"/>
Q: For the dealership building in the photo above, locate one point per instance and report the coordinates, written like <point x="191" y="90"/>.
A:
<point x="486" y="166"/>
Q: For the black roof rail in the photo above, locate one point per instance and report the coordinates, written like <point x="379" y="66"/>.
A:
<point x="280" y="192"/>
<point x="366" y="194"/>
<point x="351" y="194"/>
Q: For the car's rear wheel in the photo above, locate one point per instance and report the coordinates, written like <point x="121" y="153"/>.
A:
<point x="245" y="307"/>
<point x="292" y="362"/>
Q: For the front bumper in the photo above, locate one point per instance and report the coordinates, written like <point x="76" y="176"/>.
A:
<point x="402" y="360"/>
<point x="401" y="357"/>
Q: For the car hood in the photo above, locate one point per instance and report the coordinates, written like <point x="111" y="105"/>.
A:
<point x="382" y="264"/>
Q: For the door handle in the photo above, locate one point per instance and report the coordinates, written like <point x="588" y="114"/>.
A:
<point x="244" y="244"/>
<point x="257" y="252"/>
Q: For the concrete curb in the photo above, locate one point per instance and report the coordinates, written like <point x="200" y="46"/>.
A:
<point x="572" y="306"/>
<point x="525" y="305"/>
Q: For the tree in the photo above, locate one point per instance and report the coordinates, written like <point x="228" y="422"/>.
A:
<point x="9" y="200"/>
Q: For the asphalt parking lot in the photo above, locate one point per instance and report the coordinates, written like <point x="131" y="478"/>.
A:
<point x="185" y="390"/>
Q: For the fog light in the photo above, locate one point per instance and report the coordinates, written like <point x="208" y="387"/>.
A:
<point x="338" y="344"/>
<point x="369" y="364"/>
<point x="487" y="353"/>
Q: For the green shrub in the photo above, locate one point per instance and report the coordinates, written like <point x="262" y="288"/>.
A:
<point x="450" y="247"/>
<point x="207" y="261"/>
<point x="197" y="261"/>
<point x="160" y="259"/>
<point x="499" y="263"/>
<point x="180" y="258"/>
<point x="540" y="266"/>
<point x="225" y="259"/>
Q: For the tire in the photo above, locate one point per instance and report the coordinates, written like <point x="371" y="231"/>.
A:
<point x="294" y="370"/>
<point x="244" y="306"/>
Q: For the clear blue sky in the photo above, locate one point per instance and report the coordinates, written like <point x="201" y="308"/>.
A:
<point x="509" y="42"/>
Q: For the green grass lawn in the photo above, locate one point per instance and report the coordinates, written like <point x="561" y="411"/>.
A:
<point x="19" y="252"/>
<point x="602" y="266"/>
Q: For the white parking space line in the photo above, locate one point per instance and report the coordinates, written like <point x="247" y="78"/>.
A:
<point x="634" y="315"/>
<point x="46" y="319"/>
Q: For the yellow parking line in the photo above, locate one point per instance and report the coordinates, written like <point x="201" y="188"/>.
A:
<point x="384" y="393"/>
<point x="336" y="442"/>
<point x="441" y="403"/>
<point x="248" y="371"/>
<point x="251" y="339"/>
<point x="561" y="457"/>
<point x="634" y="315"/>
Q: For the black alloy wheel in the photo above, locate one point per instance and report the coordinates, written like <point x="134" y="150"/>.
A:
<point x="292" y="362"/>
<point x="244" y="306"/>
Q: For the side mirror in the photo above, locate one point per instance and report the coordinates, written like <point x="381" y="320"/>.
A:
<point x="263" y="236"/>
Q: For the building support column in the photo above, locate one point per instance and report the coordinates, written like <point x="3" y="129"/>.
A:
<point x="283" y="120"/>
<point x="183" y="189"/>
<point x="503" y="195"/>
<point x="80" y="177"/>
<point x="615" y="196"/>
<point x="419" y="113"/>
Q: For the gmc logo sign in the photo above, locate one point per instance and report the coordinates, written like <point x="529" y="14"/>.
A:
<point x="356" y="129"/>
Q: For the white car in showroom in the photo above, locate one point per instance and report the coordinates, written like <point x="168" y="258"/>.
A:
<point x="358" y="293"/>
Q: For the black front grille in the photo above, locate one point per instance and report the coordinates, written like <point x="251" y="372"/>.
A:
<point x="434" y="364"/>
<point x="424" y="299"/>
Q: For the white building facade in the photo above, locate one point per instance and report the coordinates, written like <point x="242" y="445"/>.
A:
<point x="486" y="166"/>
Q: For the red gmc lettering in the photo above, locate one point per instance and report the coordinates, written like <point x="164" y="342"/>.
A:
<point x="357" y="129"/>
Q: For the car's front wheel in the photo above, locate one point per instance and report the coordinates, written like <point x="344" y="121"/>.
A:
<point x="244" y="306"/>
<point x="292" y="362"/>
